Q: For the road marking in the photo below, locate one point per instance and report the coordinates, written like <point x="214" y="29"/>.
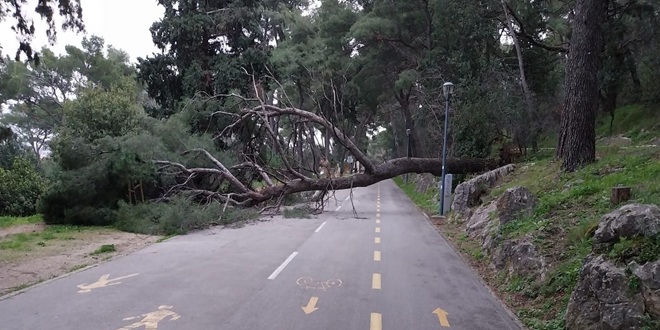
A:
<point x="377" y="240"/>
<point x="378" y="229"/>
<point x="321" y="226"/>
<point x="347" y="197"/>
<point x="103" y="282"/>
<point x="281" y="267"/>
<point x="309" y="283"/>
<point x="338" y="207"/>
<point x="378" y="209"/>
<point x="375" y="281"/>
<point x="377" y="220"/>
<point x="150" y="320"/>
<point x="311" y="306"/>
<point x="376" y="321"/>
<point x="442" y="317"/>
<point x="376" y="255"/>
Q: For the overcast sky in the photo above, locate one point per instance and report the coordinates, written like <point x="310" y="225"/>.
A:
<point x="124" y="24"/>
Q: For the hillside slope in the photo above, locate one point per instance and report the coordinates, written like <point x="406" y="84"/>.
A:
<point x="559" y="227"/>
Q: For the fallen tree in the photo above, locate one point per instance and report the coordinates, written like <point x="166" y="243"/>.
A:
<point x="293" y="176"/>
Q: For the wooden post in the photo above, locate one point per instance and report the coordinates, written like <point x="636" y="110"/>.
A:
<point x="619" y="194"/>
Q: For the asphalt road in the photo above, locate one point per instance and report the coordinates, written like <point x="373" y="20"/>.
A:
<point x="387" y="269"/>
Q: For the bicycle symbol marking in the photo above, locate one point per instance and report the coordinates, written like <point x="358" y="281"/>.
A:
<point x="308" y="283"/>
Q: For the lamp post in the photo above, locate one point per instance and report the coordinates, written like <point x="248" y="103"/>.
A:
<point x="447" y="90"/>
<point x="407" y="148"/>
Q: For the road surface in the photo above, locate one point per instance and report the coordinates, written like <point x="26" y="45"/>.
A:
<point x="387" y="269"/>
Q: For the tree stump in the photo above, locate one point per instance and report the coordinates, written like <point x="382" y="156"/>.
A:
<point x="620" y="194"/>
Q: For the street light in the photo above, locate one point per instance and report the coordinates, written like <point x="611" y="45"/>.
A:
<point x="447" y="90"/>
<point x="407" y="148"/>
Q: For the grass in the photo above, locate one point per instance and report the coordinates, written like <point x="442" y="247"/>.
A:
<point x="427" y="201"/>
<point x="567" y="214"/>
<point x="30" y="241"/>
<point x="638" y="122"/>
<point x="105" y="248"/>
<point x="15" y="221"/>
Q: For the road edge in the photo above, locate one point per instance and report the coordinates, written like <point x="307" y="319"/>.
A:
<point x="44" y="282"/>
<point x="464" y="261"/>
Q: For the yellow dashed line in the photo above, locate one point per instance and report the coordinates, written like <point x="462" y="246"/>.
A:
<point x="375" y="281"/>
<point x="377" y="220"/>
<point x="377" y="240"/>
<point x="378" y="229"/>
<point x="376" y="255"/>
<point x="376" y="321"/>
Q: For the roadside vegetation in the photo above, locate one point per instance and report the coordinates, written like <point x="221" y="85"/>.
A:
<point x="568" y="211"/>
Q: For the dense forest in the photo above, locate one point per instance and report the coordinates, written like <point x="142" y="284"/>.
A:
<point x="250" y="103"/>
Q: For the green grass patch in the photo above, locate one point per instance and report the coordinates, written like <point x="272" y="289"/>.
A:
<point x="15" y="221"/>
<point x="427" y="201"/>
<point x="29" y="241"/>
<point x="638" y="122"/>
<point x="105" y="248"/>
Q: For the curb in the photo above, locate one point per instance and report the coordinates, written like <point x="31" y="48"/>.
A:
<point x="465" y="261"/>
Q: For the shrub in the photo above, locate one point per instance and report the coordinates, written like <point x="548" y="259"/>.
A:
<point x="20" y="187"/>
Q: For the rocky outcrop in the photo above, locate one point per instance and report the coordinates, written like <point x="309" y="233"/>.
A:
<point x="520" y="258"/>
<point x="619" y="293"/>
<point x="468" y="194"/>
<point x="649" y="276"/>
<point x="632" y="220"/>
<point x="602" y="299"/>
<point x="423" y="182"/>
<point x="514" y="203"/>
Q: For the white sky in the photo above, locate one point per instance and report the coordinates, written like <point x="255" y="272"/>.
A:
<point x="124" y="24"/>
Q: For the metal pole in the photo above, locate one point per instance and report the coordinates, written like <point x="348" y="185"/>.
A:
<point x="407" y="148"/>
<point x="444" y="158"/>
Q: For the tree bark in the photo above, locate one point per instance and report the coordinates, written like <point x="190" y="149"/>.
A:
<point x="382" y="172"/>
<point x="576" y="146"/>
<point x="529" y="134"/>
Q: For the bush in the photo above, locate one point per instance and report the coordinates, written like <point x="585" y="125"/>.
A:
<point x="178" y="216"/>
<point x="20" y="187"/>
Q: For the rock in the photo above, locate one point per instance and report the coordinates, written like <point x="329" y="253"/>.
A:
<point x="424" y="181"/>
<point x="616" y="141"/>
<point x="468" y="194"/>
<point x="629" y="221"/>
<point x="484" y="226"/>
<point x="602" y="299"/>
<point x="515" y="202"/>
<point x="649" y="276"/>
<point x="520" y="258"/>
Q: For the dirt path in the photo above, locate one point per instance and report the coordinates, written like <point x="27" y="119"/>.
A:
<point x="33" y="253"/>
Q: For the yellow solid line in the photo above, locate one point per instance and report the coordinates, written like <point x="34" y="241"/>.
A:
<point x="378" y="229"/>
<point x="376" y="321"/>
<point x="377" y="240"/>
<point x="376" y="255"/>
<point x="375" y="281"/>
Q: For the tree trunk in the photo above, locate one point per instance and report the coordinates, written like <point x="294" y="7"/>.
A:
<point x="528" y="131"/>
<point x="576" y="146"/>
<point x="404" y="102"/>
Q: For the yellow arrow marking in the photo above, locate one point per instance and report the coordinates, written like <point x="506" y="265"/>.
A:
<point x="378" y="229"/>
<point x="376" y="321"/>
<point x="103" y="282"/>
<point x="442" y="317"/>
<point x="311" y="306"/>
<point x="376" y="255"/>
<point x="377" y="240"/>
<point x="375" y="281"/>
